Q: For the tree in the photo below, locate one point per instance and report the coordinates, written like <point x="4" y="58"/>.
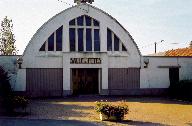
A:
<point x="7" y="38"/>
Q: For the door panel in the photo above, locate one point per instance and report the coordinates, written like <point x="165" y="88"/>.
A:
<point x="44" y="82"/>
<point x="173" y="75"/>
<point x="85" y="81"/>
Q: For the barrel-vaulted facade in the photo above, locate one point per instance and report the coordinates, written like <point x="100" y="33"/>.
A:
<point x="81" y="50"/>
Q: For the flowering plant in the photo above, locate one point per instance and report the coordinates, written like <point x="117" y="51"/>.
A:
<point x="117" y="111"/>
<point x="20" y="101"/>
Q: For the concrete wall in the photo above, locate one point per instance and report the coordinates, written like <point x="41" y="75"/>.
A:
<point x="157" y="73"/>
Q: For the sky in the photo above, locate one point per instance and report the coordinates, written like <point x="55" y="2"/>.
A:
<point x="147" y="21"/>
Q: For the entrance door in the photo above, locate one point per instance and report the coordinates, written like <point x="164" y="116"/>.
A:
<point x="173" y="75"/>
<point x="85" y="81"/>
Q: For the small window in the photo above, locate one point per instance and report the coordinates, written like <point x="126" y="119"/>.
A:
<point x="72" y="22"/>
<point x="59" y="33"/>
<point x="96" y="23"/>
<point x="123" y="48"/>
<point x="42" y="47"/>
<point x="88" y="40"/>
<point x="51" y="43"/>
<point x="88" y="20"/>
<point x="80" y="21"/>
<point x="116" y="43"/>
<point x="80" y="39"/>
<point x="109" y="40"/>
<point x="96" y="40"/>
<point x="72" y="39"/>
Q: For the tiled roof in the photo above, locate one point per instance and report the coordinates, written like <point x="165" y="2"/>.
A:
<point x="179" y="52"/>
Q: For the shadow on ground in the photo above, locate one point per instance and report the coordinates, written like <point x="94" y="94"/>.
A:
<point x="50" y="122"/>
<point x="44" y="122"/>
<point x="140" y="123"/>
<point x="141" y="99"/>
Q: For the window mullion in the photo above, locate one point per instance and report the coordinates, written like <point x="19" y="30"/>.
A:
<point x="84" y="34"/>
<point x="92" y="35"/>
<point x="55" y="41"/>
<point x="112" y="41"/>
<point x="120" y="45"/>
<point x="76" y="36"/>
<point x="46" y="45"/>
<point x="93" y="40"/>
<point x="76" y="39"/>
<point x="84" y="39"/>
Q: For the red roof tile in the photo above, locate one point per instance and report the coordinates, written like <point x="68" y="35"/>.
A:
<point x="179" y="52"/>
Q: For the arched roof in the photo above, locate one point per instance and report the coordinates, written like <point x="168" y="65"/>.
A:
<point x="64" y="11"/>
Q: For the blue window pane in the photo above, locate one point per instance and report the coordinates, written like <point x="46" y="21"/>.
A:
<point x="116" y="43"/>
<point x="96" y="23"/>
<point x="96" y="40"/>
<point x="88" y="40"/>
<point x="88" y="20"/>
<point x="42" y="47"/>
<point x="72" y="22"/>
<point x="123" y="48"/>
<point x="59" y="33"/>
<point x="72" y="39"/>
<point x="109" y="40"/>
<point x="80" y="21"/>
<point x="80" y="39"/>
<point x="51" y="43"/>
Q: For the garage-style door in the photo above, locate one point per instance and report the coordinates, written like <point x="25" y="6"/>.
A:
<point x="44" y="82"/>
<point x="123" y="80"/>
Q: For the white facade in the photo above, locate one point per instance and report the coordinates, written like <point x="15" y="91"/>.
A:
<point x="33" y="58"/>
<point x="155" y="76"/>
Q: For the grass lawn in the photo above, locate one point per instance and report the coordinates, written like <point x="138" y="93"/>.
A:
<point x="143" y="111"/>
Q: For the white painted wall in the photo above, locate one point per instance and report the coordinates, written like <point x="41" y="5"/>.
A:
<point x="151" y="77"/>
<point x="32" y="58"/>
<point x="155" y="77"/>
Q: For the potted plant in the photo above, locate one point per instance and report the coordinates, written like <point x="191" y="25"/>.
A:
<point x="111" y="112"/>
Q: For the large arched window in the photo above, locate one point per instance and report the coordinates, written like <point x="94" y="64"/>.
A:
<point x="113" y="42"/>
<point x="54" y="42"/>
<point x="84" y="34"/>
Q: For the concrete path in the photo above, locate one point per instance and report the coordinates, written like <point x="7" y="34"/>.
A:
<point x="45" y="122"/>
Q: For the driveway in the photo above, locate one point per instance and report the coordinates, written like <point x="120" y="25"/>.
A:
<point x="79" y="111"/>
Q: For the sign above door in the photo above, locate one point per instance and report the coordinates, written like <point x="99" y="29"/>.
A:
<point x="85" y="61"/>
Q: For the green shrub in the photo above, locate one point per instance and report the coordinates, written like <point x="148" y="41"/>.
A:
<point x="119" y="111"/>
<point x="9" y="100"/>
<point x="5" y="87"/>
<point x="20" y="102"/>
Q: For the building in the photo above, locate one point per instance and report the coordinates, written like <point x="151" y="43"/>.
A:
<point x="176" y="52"/>
<point x="84" y="50"/>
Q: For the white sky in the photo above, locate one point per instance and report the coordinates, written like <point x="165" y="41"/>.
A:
<point x="148" y="21"/>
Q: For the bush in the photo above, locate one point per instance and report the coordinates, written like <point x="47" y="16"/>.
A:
<point x="5" y="90"/>
<point x="9" y="100"/>
<point x="5" y="87"/>
<point x="182" y="90"/>
<point x="119" y="111"/>
<point x="20" y="102"/>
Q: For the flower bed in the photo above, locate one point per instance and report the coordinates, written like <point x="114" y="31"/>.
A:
<point x="111" y="112"/>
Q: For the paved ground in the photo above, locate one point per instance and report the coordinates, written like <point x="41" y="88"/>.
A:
<point x="27" y="122"/>
<point x="79" y="111"/>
